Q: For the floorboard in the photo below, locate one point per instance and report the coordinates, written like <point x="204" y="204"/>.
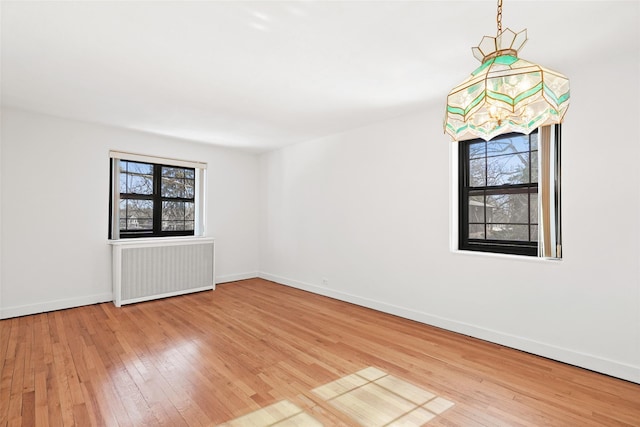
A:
<point x="254" y="348"/>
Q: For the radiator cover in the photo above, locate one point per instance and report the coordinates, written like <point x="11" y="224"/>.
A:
<point x="146" y="269"/>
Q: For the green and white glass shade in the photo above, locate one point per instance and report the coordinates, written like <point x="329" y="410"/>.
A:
<point x="505" y="94"/>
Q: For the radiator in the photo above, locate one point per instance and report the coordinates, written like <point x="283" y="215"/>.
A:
<point x="159" y="268"/>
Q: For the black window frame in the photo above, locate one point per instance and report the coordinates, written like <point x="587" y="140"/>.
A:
<point x="510" y="247"/>
<point x="157" y="198"/>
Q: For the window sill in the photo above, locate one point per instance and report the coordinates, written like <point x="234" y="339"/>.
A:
<point x="159" y="241"/>
<point x="505" y="256"/>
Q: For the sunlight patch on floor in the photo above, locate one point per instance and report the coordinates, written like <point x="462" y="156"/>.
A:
<point x="281" y="414"/>
<point x="370" y="397"/>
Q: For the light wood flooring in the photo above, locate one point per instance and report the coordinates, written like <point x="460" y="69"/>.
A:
<point x="207" y="358"/>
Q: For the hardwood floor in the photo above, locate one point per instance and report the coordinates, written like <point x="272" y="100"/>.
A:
<point x="207" y="358"/>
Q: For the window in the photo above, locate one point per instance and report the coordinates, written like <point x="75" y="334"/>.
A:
<point x="150" y="199"/>
<point x="501" y="196"/>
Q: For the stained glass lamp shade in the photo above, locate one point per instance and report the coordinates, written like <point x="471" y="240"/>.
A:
<point x="505" y="94"/>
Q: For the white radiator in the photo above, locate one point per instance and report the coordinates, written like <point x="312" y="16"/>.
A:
<point x="157" y="268"/>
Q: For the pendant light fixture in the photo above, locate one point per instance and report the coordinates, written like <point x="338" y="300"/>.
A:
<point x="505" y="94"/>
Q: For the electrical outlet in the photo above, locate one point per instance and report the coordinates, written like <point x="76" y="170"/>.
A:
<point x="325" y="281"/>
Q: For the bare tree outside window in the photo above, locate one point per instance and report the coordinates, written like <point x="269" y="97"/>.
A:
<point x="499" y="191"/>
<point x="156" y="199"/>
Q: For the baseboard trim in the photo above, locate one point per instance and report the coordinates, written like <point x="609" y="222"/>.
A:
<point x="583" y="360"/>
<point x="61" y="304"/>
<point x="235" y="277"/>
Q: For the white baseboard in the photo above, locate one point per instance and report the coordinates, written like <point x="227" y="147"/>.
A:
<point x="61" y="304"/>
<point x="595" y="363"/>
<point x="235" y="277"/>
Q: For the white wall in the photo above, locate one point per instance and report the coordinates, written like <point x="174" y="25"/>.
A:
<point x="1" y="237"/>
<point x="369" y="211"/>
<point x="55" y="202"/>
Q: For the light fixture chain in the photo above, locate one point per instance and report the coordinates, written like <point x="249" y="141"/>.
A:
<point x="499" y="17"/>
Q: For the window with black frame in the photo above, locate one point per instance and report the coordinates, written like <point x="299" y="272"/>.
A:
<point x="498" y="194"/>
<point x="155" y="200"/>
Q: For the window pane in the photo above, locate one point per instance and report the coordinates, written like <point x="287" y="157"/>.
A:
<point x="137" y="168"/>
<point x="533" y="207"/>
<point x="476" y="231"/>
<point x="136" y="178"/>
<point x="476" y="209"/>
<point x="123" y="183"/>
<point x="172" y="211"/>
<point x="508" y="169"/>
<point x="514" y="144"/>
<point x="178" y="216"/>
<point x="136" y="214"/>
<point x="508" y="208"/>
<point x="534" y="166"/>
<point x="139" y="184"/>
<point x="508" y="232"/>
<point x="173" y="226"/>
<point x="130" y="208"/>
<point x="477" y="150"/>
<point x="173" y="187"/>
<point x="139" y="224"/>
<point x="178" y="182"/>
<point x="477" y="171"/>
<point x="189" y="211"/>
<point x="139" y="208"/>
<point x="173" y="172"/>
<point x="533" y="140"/>
<point x="189" y="188"/>
<point x="534" y="233"/>
<point x="177" y="225"/>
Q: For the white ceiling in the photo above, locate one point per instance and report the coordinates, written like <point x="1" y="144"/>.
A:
<point x="259" y="75"/>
